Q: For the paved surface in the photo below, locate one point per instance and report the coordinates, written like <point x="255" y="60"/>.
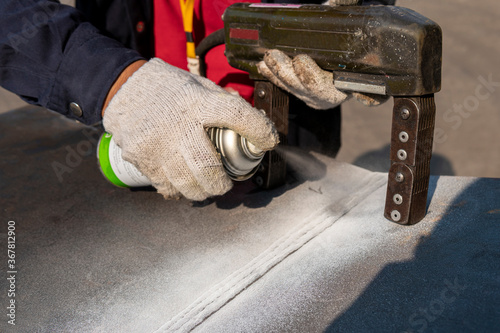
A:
<point x="313" y="255"/>
<point x="469" y="143"/>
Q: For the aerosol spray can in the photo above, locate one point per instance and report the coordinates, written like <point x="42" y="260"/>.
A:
<point x="240" y="158"/>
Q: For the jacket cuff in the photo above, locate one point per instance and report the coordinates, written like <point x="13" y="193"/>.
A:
<point x="90" y="65"/>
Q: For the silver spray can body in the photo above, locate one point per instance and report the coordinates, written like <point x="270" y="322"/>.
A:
<point x="240" y="158"/>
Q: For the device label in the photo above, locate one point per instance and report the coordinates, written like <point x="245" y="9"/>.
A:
<point x="250" y="34"/>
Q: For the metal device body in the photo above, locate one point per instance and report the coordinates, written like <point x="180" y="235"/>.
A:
<point x="383" y="50"/>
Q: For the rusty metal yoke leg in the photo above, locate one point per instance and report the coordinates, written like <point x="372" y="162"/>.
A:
<point x="411" y="151"/>
<point x="275" y="103"/>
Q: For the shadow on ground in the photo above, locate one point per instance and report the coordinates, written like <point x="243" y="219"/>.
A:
<point x="378" y="160"/>
<point x="451" y="285"/>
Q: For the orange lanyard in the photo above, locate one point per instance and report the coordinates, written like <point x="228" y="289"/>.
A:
<point x="187" y="10"/>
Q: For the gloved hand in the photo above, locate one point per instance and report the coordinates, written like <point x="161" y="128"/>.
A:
<point x="303" y="78"/>
<point x="159" y="119"/>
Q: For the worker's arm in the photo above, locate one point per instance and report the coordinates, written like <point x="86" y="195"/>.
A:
<point x="50" y="56"/>
<point x="158" y="114"/>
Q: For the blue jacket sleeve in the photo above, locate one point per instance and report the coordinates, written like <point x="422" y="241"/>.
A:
<point x="50" y="56"/>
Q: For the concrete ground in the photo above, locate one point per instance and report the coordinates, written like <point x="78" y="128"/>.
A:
<point x="469" y="142"/>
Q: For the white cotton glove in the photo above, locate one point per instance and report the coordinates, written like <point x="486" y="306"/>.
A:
<point x="303" y="78"/>
<point x="159" y="118"/>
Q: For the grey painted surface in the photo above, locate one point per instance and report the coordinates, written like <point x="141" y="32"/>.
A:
<point x="470" y="144"/>
<point x="95" y="258"/>
<point x="9" y="101"/>
<point x="364" y="274"/>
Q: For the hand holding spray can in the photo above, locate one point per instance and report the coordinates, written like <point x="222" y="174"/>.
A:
<point x="240" y="158"/>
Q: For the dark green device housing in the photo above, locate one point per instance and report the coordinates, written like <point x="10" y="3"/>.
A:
<point x="385" y="50"/>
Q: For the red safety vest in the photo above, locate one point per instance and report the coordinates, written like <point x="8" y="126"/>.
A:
<point x="170" y="41"/>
